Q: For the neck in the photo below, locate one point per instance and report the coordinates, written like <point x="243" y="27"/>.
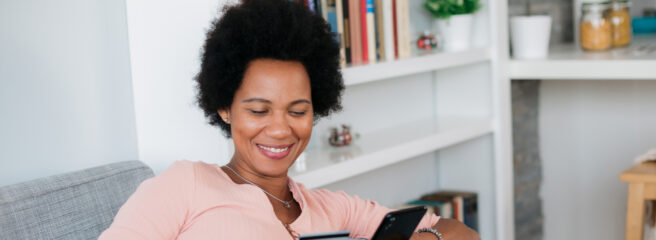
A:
<point x="276" y="185"/>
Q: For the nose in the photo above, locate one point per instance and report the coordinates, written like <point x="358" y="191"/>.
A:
<point x="279" y="127"/>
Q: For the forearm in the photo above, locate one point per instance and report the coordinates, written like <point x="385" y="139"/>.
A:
<point x="450" y="229"/>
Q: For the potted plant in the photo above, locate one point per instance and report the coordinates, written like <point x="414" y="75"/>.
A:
<point x="529" y="34"/>
<point x="453" y="21"/>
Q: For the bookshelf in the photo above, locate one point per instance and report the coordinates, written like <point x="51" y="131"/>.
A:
<point x="440" y="118"/>
<point x="324" y="165"/>
<point x="418" y="63"/>
<point x="568" y="61"/>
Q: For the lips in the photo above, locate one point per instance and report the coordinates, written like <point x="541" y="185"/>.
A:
<point x="275" y="152"/>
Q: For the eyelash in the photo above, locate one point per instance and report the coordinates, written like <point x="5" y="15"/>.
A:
<point x="265" y="111"/>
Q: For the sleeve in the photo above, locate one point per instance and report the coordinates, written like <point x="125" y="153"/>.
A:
<point x="362" y="217"/>
<point x="158" y="208"/>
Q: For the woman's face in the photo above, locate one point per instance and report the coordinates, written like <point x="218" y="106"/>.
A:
<point x="271" y="116"/>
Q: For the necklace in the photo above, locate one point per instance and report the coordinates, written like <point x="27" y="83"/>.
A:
<point x="287" y="204"/>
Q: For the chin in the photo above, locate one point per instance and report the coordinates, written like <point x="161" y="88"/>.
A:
<point x="274" y="168"/>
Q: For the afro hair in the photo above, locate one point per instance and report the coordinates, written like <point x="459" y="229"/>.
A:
<point x="272" y="29"/>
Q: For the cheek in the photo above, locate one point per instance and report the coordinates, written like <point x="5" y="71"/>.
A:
<point x="303" y="128"/>
<point x="245" y="129"/>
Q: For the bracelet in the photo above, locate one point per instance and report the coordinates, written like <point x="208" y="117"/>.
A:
<point x="433" y="231"/>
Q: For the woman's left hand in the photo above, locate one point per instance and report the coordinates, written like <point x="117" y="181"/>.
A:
<point x="450" y="229"/>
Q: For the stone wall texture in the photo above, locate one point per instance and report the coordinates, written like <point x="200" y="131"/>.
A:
<point x="526" y="160"/>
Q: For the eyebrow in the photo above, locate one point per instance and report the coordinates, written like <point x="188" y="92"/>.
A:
<point x="267" y="101"/>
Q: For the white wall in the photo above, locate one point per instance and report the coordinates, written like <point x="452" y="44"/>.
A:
<point x="590" y="131"/>
<point x="166" y="38"/>
<point x="65" y="93"/>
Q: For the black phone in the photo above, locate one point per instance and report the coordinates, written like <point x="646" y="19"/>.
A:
<point x="399" y="225"/>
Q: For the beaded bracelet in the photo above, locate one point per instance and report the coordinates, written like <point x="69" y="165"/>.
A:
<point x="433" y="231"/>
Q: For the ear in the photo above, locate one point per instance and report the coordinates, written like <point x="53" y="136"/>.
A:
<point x="225" y="115"/>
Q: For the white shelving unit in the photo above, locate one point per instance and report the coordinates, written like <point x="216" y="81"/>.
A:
<point x="429" y="61"/>
<point x="451" y="107"/>
<point x="383" y="148"/>
<point x="635" y="62"/>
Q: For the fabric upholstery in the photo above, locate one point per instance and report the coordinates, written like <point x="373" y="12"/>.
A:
<point x="76" y="205"/>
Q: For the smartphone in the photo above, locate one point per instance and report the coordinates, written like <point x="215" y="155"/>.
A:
<point x="399" y="225"/>
<point x="340" y="235"/>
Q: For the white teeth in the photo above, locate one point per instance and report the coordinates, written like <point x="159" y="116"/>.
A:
<point x="275" y="150"/>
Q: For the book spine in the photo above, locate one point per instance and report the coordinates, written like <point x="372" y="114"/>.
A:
<point x="317" y="7"/>
<point x="363" y="32"/>
<point x="310" y="4"/>
<point x="380" y="30"/>
<point x="388" y="30"/>
<point x="395" y="29"/>
<point x="403" y="22"/>
<point x="340" y="32"/>
<point x="371" y="32"/>
<point x="347" y="31"/>
<point x="356" y="39"/>
<point x="324" y="9"/>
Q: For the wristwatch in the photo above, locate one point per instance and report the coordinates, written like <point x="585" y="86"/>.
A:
<point x="433" y="231"/>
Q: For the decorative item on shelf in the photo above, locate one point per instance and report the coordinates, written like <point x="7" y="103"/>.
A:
<point x="427" y="41"/>
<point x="453" y="21"/>
<point x="529" y="34"/>
<point x="343" y="138"/>
<point x="645" y="24"/>
<point x="621" y="22"/>
<point x="595" y="26"/>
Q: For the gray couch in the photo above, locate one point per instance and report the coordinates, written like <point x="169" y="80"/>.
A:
<point x="77" y="205"/>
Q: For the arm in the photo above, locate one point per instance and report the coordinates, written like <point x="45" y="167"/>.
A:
<point x="450" y="229"/>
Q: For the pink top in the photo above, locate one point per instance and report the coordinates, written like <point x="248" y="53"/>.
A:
<point x="195" y="200"/>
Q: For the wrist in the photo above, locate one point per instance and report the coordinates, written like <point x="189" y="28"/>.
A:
<point x="430" y="232"/>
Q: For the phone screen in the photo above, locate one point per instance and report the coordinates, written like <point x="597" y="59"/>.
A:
<point x="399" y="225"/>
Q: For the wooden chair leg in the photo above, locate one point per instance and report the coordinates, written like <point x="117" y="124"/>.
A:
<point x="635" y="211"/>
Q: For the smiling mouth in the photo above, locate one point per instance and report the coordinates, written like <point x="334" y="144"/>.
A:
<point x="275" y="152"/>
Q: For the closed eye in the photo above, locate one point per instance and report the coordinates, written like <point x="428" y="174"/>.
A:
<point x="258" y="112"/>
<point x="297" y="113"/>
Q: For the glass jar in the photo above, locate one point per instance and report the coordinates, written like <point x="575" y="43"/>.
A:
<point x="621" y="22"/>
<point x="595" y="26"/>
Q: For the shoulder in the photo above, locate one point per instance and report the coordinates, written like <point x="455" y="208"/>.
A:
<point x="325" y="197"/>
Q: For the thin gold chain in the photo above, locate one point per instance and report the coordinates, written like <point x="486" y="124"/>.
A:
<point x="287" y="204"/>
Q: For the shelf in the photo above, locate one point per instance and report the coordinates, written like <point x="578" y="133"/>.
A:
<point x="419" y="63"/>
<point x="635" y="62"/>
<point x="324" y="165"/>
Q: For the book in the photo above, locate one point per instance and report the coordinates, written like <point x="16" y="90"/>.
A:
<point x="363" y="30"/>
<point x="465" y="205"/>
<point x="388" y="30"/>
<point x="317" y="7"/>
<point x="395" y="30"/>
<point x="347" y="30"/>
<point x="356" y="34"/>
<point x="340" y="31"/>
<point x="371" y="32"/>
<point x="403" y="28"/>
<point x="380" y="30"/>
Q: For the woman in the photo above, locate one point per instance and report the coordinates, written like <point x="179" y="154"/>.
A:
<point x="270" y="69"/>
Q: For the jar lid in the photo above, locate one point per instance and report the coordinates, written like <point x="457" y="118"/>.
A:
<point x="595" y="6"/>
<point x="620" y="4"/>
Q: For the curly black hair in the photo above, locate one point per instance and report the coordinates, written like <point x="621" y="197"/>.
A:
<point x="272" y="29"/>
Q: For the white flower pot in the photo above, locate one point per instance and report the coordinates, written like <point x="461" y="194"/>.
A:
<point x="529" y="36"/>
<point x="455" y="31"/>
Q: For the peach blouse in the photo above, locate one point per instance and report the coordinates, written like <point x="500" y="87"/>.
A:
<point x="195" y="200"/>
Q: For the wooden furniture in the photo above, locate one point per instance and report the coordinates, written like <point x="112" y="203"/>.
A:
<point x="642" y="186"/>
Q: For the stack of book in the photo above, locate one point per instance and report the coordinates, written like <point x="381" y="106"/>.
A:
<point x="461" y="206"/>
<point x="367" y="30"/>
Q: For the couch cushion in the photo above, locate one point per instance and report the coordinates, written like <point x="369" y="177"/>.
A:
<point x="76" y="205"/>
